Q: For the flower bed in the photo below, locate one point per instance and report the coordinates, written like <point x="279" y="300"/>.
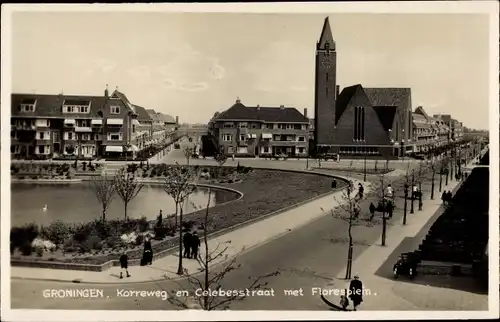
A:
<point x="53" y="170"/>
<point x="264" y="192"/>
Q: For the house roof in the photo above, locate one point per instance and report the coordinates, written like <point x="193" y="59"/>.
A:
<point x="343" y="100"/>
<point x="420" y="110"/>
<point x="125" y="100"/>
<point x="142" y="115"/>
<point x="165" y="118"/>
<point x="420" y="121"/>
<point x="386" y="115"/>
<point x="152" y="114"/>
<point x="51" y="105"/>
<point x="390" y="96"/>
<point x="264" y="114"/>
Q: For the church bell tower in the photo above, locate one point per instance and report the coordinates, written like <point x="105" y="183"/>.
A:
<point x="325" y="88"/>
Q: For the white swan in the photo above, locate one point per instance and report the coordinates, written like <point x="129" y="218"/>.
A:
<point x="44" y="208"/>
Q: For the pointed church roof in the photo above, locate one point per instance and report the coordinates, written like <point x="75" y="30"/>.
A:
<point x="326" y="36"/>
<point x="420" y="110"/>
<point x="343" y="100"/>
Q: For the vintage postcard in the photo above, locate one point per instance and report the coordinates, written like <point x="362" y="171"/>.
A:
<point x="264" y="161"/>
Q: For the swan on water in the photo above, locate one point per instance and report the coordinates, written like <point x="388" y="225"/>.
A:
<point x="44" y="208"/>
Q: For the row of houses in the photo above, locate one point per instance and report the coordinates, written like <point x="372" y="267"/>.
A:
<point x="250" y="131"/>
<point x="47" y="126"/>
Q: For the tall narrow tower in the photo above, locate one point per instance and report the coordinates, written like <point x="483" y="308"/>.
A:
<point x="325" y="88"/>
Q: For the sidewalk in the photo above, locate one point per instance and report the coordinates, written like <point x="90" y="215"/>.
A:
<point x="236" y="241"/>
<point x="388" y="294"/>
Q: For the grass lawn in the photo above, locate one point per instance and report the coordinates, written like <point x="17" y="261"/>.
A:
<point x="264" y="191"/>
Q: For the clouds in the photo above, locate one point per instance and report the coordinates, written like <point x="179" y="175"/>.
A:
<point x="190" y="70"/>
<point x="282" y="66"/>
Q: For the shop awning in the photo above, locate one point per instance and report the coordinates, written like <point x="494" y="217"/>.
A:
<point x="114" y="121"/>
<point x="69" y="121"/>
<point x="114" y="148"/>
<point x="254" y="136"/>
<point x="267" y="136"/>
<point x="96" y="122"/>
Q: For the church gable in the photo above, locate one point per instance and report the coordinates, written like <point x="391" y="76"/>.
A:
<point x="372" y="129"/>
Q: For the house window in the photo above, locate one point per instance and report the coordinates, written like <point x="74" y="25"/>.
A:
<point x="228" y="125"/>
<point x="41" y="135"/>
<point x="254" y="126"/>
<point x="227" y="137"/>
<point x="327" y="77"/>
<point x="27" y="108"/>
<point x="41" y="149"/>
<point x="114" y="136"/>
<point x="301" y="150"/>
<point x="266" y="149"/>
<point x="70" y="136"/>
<point x="302" y="139"/>
<point x="85" y="136"/>
<point x="115" y="109"/>
<point x="243" y="125"/>
<point x="230" y="150"/>
<point x="242" y="137"/>
<point x="68" y="109"/>
<point x="242" y="150"/>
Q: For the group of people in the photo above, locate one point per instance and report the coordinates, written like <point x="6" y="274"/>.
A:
<point x="191" y="244"/>
<point x="147" y="257"/>
<point x="446" y="197"/>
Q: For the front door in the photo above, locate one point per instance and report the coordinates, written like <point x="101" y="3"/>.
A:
<point x="256" y="153"/>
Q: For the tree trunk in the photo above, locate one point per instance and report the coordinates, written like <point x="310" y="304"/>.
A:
<point x="384" y="227"/>
<point x="103" y="215"/>
<point x="207" y="257"/>
<point x="126" y="206"/>
<point x="349" y="253"/>
<point x="180" y="270"/>
<point x="432" y="191"/>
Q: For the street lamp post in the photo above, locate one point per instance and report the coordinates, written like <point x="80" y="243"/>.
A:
<point x="433" y="169"/>
<point x="405" y="206"/>
<point x="364" y="177"/>
<point x="412" y="194"/>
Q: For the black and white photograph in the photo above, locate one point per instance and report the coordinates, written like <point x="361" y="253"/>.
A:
<point x="305" y="159"/>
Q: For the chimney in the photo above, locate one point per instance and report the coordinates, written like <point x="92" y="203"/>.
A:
<point x="238" y="101"/>
<point x="282" y="107"/>
<point x="177" y="120"/>
<point x="258" y="106"/>
<point x="305" y="112"/>
<point x="337" y="91"/>
<point x="106" y="92"/>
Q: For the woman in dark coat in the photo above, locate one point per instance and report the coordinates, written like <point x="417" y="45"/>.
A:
<point x="147" y="257"/>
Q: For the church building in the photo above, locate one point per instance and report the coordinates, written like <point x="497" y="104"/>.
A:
<point x="357" y="121"/>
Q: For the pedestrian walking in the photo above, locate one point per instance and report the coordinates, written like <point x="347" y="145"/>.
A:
<point x="147" y="255"/>
<point x="195" y="245"/>
<point x="356" y="292"/>
<point x="344" y="301"/>
<point x="187" y="243"/>
<point x="449" y="197"/>
<point x="124" y="264"/>
<point x="444" y="196"/>
<point x="361" y="190"/>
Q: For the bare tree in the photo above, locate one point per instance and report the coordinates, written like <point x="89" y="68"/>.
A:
<point x="385" y="206"/>
<point x="188" y="153"/>
<point x="104" y="190"/>
<point x="206" y="279"/>
<point x="127" y="187"/>
<point x="179" y="185"/>
<point x="349" y="211"/>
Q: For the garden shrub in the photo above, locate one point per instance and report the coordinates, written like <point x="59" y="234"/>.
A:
<point x="26" y="249"/>
<point x="23" y="235"/>
<point x="92" y="242"/>
<point x="39" y="251"/>
<point x="57" y="231"/>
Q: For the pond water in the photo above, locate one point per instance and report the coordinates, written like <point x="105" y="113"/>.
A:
<point x="77" y="203"/>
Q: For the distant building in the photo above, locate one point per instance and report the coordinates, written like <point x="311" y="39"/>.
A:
<point x="261" y="131"/>
<point x="45" y="126"/>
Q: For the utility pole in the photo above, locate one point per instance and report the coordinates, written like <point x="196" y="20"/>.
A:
<point x="364" y="177"/>
<point x="412" y="194"/>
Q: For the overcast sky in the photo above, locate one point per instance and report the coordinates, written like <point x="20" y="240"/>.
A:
<point x="195" y="64"/>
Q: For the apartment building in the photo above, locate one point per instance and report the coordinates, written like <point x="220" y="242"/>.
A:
<point x="46" y="126"/>
<point x="255" y="131"/>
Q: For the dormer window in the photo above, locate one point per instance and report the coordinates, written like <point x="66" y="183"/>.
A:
<point x="27" y="105"/>
<point x="115" y="109"/>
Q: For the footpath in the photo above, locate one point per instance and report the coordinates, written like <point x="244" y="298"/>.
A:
<point x="236" y="241"/>
<point x="385" y="293"/>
